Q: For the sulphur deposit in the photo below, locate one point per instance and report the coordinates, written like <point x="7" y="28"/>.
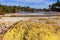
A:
<point x="35" y="29"/>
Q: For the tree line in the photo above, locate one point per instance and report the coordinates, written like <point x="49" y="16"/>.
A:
<point x="55" y="6"/>
<point x="12" y="9"/>
<point x="8" y="9"/>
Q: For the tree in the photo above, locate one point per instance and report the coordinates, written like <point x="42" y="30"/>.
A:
<point x="55" y="6"/>
<point x="1" y="12"/>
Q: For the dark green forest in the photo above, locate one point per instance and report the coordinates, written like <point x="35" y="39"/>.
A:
<point x="12" y="9"/>
<point x="8" y="9"/>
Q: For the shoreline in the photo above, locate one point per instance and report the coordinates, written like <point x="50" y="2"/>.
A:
<point x="31" y="14"/>
<point x="28" y="15"/>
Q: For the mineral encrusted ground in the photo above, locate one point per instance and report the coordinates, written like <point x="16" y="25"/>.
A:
<point x="38" y="28"/>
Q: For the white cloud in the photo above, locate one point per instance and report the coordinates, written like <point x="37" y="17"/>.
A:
<point x="30" y="0"/>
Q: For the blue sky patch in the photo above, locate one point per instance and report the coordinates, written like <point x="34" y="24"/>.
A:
<point x="31" y="3"/>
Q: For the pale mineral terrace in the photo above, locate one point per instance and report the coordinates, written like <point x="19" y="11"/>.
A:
<point x="7" y="22"/>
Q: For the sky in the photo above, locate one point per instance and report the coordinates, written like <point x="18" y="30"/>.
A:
<point x="30" y="3"/>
